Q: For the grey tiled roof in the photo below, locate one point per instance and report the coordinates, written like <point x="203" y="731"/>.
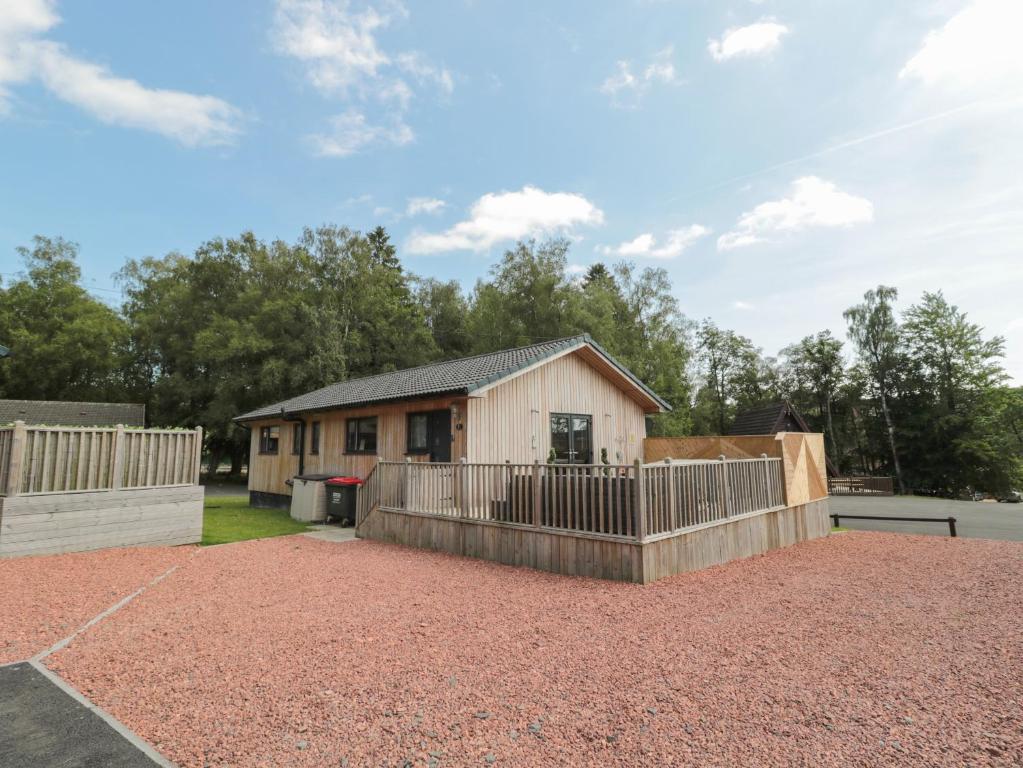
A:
<point x="461" y="376"/>
<point x="71" y="414"/>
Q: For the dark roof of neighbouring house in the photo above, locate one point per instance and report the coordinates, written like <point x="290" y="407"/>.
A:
<point x="452" y="377"/>
<point x="768" y="419"/>
<point x="71" y="414"/>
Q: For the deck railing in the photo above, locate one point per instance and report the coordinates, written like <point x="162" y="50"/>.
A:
<point x="633" y="501"/>
<point x="36" y="459"/>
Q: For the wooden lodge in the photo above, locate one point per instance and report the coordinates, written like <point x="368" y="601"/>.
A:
<point x="515" y="405"/>
<point x="538" y="456"/>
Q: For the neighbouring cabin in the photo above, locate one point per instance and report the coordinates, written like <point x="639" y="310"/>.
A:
<point x="511" y="406"/>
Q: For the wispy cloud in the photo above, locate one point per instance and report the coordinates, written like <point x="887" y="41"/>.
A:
<point x="505" y="216"/>
<point x="343" y="57"/>
<point x="814" y="202"/>
<point x="351" y="132"/>
<point x="645" y="245"/>
<point x="757" y="39"/>
<point x="424" y="205"/>
<point x="190" y="119"/>
<point x="628" y="84"/>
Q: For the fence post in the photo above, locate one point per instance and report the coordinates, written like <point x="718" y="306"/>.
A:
<point x="117" y="465"/>
<point x="537" y="496"/>
<point x="726" y="492"/>
<point x="19" y="443"/>
<point x="768" y="490"/>
<point x="672" y="502"/>
<point x="197" y="465"/>
<point x="406" y="484"/>
<point x="463" y="488"/>
<point x="640" y="505"/>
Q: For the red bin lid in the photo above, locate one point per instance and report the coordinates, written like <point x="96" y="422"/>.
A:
<point x="345" y="481"/>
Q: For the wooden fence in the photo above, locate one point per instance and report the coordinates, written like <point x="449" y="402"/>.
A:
<point x="634" y="502"/>
<point x="861" y="486"/>
<point x="37" y="459"/>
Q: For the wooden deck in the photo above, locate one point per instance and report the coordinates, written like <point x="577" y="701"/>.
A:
<point x="638" y="522"/>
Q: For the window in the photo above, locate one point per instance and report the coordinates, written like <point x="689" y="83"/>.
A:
<point x="314" y="438"/>
<point x="296" y="438"/>
<point x="572" y="438"/>
<point x="418" y="432"/>
<point x="361" y="436"/>
<point x="269" y="437"/>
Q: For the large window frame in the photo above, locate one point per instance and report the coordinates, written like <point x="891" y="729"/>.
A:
<point x="417" y="450"/>
<point x="358" y="434"/>
<point x="571" y="454"/>
<point x="269" y="439"/>
<point x="296" y="438"/>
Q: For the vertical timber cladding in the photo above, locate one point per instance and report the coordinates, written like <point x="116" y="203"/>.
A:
<point x="268" y="473"/>
<point x="511" y="421"/>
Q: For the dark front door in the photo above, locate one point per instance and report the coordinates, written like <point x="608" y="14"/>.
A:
<point x="572" y="438"/>
<point x="438" y="435"/>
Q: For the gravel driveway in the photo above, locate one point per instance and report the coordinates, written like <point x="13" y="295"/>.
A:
<point x="861" y="649"/>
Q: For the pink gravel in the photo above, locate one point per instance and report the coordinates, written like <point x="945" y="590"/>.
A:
<point x="45" y="599"/>
<point x="862" y="649"/>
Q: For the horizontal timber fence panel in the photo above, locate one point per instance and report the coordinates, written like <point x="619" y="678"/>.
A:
<point x="37" y="459"/>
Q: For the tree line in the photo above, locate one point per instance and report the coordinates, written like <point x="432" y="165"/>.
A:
<point x="243" y="322"/>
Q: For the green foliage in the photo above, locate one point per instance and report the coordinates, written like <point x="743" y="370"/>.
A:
<point x="243" y="322"/>
<point x="64" y="343"/>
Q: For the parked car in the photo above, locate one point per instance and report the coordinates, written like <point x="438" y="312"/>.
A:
<point x="1011" y="497"/>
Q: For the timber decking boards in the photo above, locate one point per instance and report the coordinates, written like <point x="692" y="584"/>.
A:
<point x="42" y="726"/>
<point x="577" y="555"/>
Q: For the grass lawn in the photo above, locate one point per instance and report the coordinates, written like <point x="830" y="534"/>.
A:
<point x="230" y="518"/>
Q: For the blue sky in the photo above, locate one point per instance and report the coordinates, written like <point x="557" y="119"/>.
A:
<point x="777" y="158"/>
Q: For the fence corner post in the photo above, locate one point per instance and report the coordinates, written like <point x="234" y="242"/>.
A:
<point x="672" y="502"/>
<point x="117" y="465"/>
<point x="640" y="505"/>
<point x="537" y="495"/>
<point x="16" y="464"/>
<point x="197" y="467"/>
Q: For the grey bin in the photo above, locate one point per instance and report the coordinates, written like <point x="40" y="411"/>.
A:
<point x="342" y="495"/>
<point x="308" y="497"/>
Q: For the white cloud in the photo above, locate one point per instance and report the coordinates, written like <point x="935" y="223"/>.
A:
<point x="814" y="202"/>
<point x="980" y="46"/>
<point x="343" y="57"/>
<point x="351" y="132"/>
<point x="753" y="40"/>
<point x="338" y="46"/>
<point x="625" y="88"/>
<point x="189" y="119"/>
<point x="743" y="306"/>
<point x="420" y="205"/>
<point x="645" y="245"/>
<point x="503" y="216"/>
